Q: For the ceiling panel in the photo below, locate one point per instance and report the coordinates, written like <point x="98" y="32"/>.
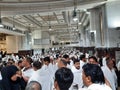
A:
<point x="42" y="13"/>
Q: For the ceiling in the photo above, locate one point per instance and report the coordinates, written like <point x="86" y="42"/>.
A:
<point x="29" y="15"/>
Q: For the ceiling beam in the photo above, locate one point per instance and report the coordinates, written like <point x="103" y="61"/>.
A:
<point x="57" y="27"/>
<point x="42" y="19"/>
<point x="56" y="17"/>
<point x="64" y="14"/>
<point x="31" y="21"/>
<point x="17" y="21"/>
<point x="35" y="20"/>
<point x="69" y="19"/>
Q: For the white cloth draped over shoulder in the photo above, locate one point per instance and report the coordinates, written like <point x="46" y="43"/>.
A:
<point x="77" y="78"/>
<point x="118" y="65"/>
<point x="41" y="76"/>
<point x="44" y="76"/>
<point x="110" y="75"/>
<point x="99" y="87"/>
<point x="81" y="65"/>
<point x="104" y="61"/>
<point x="28" y="72"/>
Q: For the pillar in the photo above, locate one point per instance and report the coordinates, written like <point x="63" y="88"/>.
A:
<point x="98" y="27"/>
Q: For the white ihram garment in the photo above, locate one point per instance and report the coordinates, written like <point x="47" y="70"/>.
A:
<point x="99" y="87"/>
<point x="77" y="78"/>
<point x="104" y="61"/>
<point x="28" y="72"/>
<point x="110" y="75"/>
<point x="42" y="76"/>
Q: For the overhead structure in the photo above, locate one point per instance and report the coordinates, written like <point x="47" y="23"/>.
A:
<point x="33" y="14"/>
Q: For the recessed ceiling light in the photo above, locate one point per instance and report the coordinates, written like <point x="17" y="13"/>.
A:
<point x="79" y="23"/>
<point x="1" y="25"/>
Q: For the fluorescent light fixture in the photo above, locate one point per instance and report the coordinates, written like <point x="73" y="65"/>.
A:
<point x="79" y="23"/>
<point x="75" y="19"/>
<point x="13" y="24"/>
<point x="50" y="29"/>
<point x="1" y="25"/>
<point x="14" y="28"/>
<point x="75" y="15"/>
<point x="77" y="30"/>
<point x="87" y="12"/>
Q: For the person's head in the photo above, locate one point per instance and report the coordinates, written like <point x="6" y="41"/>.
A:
<point x="33" y="85"/>
<point x="37" y="65"/>
<point x="67" y="59"/>
<point x="109" y="63"/>
<point x="92" y="60"/>
<point x="82" y="57"/>
<point x="20" y="64"/>
<point x="27" y="61"/>
<point x="92" y="73"/>
<point x="10" y="62"/>
<point x="62" y="63"/>
<point x="63" y="79"/>
<point x="47" y="60"/>
<point x="76" y="63"/>
<point x="10" y="72"/>
<point x="107" y="55"/>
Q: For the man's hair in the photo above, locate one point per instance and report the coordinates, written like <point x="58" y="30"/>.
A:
<point x="37" y="64"/>
<point x="82" y="56"/>
<point x="33" y="85"/>
<point x="65" y="56"/>
<point x="63" y="61"/>
<point x="95" y="72"/>
<point x="29" y="59"/>
<point x="20" y="61"/>
<point x="108" y="60"/>
<point x="75" y="60"/>
<point x="64" y="78"/>
<point x="93" y="57"/>
<point x="47" y="59"/>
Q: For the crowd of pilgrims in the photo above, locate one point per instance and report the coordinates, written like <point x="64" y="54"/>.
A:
<point x="86" y="72"/>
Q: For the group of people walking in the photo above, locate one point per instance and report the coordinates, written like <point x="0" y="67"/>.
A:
<point x="70" y="70"/>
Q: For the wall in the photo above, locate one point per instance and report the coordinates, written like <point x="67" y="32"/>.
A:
<point x="114" y="38"/>
<point x="11" y="44"/>
<point x="24" y="42"/>
<point x="38" y="34"/>
<point x="98" y="27"/>
<point x="113" y="20"/>
<point x="113" y="13"/>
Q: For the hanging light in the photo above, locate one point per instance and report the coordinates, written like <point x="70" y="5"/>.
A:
<point x="75" y="18"/>
<point x="49" y="22"/>
<point x="79" y="23"/>
<point x="75" y="15"/>
<point x="13" y="24"/>
<point x="50" y="28"/>
<point x="1" y="25"/>
<point x="14" y="28"/>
